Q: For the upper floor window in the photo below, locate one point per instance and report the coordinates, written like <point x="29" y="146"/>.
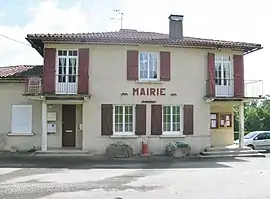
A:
<point x="223" y="70"/>
<point x="148" y="66"/>
<point x="67" y="65"/>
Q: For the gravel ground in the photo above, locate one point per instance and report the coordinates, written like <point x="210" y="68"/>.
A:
<point x="223" y="179"/>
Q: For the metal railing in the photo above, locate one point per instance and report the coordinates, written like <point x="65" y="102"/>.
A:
<point x="33" y="86"/>
<point x="66" y="84"/>
<point x="254" y="88"/>
<point x="225" y="88"/>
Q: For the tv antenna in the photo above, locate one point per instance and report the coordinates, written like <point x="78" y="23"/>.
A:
<point x="117" y="11"/>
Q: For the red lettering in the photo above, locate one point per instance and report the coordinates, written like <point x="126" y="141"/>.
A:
<point x="162" y="91"/>
<point x="135" y="91"/>
<point x="152" y="92"/>
<point x="142" y="93"/>
<point x="149" y="91"/>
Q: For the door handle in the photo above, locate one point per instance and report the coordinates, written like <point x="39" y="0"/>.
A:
<point x="68" y="131"/>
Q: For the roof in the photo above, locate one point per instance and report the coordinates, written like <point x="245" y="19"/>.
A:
<point x="134" y="37"/>
<point x="21" y="71"/>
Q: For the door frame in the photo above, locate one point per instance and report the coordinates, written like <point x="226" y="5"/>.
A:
<point x="224" y="90"/>
<point x="67" y="71"/>
<point x="74" y="127"/>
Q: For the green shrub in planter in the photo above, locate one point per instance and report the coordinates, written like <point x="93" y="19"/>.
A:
<point x="178" y="149"/>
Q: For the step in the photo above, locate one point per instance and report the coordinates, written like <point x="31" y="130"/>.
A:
<point x="62" y="152"/>
<point x="233" y="155"/>
<point x="229" y="152"/>
<point x="226" y="149"/>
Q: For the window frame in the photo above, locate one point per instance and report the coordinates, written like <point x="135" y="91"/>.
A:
<point x="13" y="130"/>
<point x="217" y="120"/>
<point x="224" y="115"/>
<point x="158" y="67"/>
<point x="221" y="81"/>
<point x="173" y="133"/>
<point x="133" y="120"/>
<point x="67" y="58"/>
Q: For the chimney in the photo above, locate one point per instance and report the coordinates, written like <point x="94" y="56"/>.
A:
<point x="176" y="27"/>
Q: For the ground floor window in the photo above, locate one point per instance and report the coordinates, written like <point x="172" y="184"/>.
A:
<point x="21" y="119"/>
<point x="124" y="116"/>
<point x="172" y="119"/>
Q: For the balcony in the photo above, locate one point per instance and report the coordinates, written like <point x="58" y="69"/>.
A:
<point x="225" y="88"/>
<point x="254" y="88"/>
<point x="57" y="85"/>
<point x="66" y="85"/>
<point x="33" y="86"/>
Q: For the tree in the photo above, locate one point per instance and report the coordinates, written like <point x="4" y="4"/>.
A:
<point x="257" y="115"/>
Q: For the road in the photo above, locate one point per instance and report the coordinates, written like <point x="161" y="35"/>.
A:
<point x="224" y="179"/>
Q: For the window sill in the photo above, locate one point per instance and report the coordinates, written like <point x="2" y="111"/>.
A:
<point x="173" y="136"/>
<point x="123" y="136"/>
<point x="149" y="82"/>
<point x="20" y="134"/>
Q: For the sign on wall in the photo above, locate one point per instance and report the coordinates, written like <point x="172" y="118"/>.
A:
<point x="149" y="91"/>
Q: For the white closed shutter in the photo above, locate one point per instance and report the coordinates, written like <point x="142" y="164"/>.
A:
<point x="21" y="121"/>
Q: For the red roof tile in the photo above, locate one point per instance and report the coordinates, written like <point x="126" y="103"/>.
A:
<point x="21" y="71"/>
<point x="134" y="37"/>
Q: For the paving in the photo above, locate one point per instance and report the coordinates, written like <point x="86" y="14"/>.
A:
<point x="225" y="178"/>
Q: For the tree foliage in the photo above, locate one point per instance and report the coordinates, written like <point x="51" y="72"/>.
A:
<point x="257" y="115"/>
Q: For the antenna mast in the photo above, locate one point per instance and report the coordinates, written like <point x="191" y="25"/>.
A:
<point x="121" y="16"/>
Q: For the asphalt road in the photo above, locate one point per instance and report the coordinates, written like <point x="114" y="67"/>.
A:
<point x="222" y="179"/>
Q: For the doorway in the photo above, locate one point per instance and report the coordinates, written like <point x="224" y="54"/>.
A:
<point x="223" y="76"/>
<point x="69" y="126"/>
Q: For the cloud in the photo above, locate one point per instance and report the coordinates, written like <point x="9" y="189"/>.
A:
<point x="48" y="17"/>
<point x="239" y="20"/>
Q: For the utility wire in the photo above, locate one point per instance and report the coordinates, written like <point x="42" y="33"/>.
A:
<point x="14" y="40"/>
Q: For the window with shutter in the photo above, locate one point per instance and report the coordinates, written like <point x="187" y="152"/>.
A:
<point x="123" y="120"/>
<point x="148" y="66"/>
<point x="21" y="119"/>
<point x="172" y="120"/>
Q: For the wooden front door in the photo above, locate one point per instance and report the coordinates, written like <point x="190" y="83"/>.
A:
<point x="69" y="125"/>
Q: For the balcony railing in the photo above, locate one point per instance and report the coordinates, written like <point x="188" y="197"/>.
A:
<point x="33" y="86"/>
<point x="66" y="84"/>
<point x="225" y="88"/>
<point x="254" y="88"/>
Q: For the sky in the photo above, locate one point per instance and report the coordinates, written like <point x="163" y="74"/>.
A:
<point x="236" y="20"/>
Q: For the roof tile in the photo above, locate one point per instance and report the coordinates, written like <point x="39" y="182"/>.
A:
<point x="21" y="71"/>
<point x="129" y="37"/>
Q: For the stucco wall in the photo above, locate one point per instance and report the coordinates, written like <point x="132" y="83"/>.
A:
<point x="222" y="136"/>
<point x="12" y="94"/>
<point x="108" y="81"/>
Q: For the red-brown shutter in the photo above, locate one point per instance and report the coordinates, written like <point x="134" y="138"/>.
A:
<point x="156" y="119"/>
<point x="165" y="66"/>
<point x="188" y="120"/>
<point x="239" y="86"/>
<point x="83" y="71"/>
<point x="48" y="84"/>
<point x="211" y="75"/>
<point x="132" y="65"/>
<point x="106" y="119"/>
<point x="140" y="119"/>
